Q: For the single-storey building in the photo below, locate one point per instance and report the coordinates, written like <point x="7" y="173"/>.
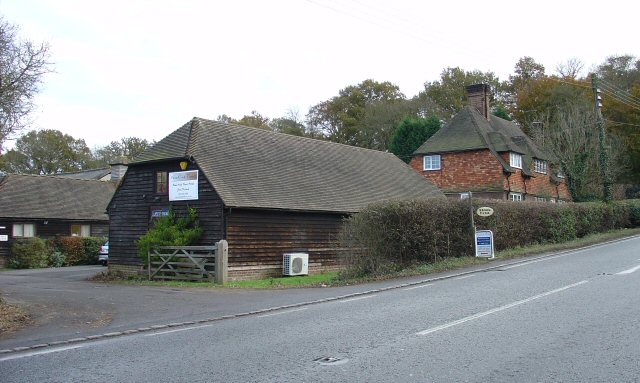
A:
<point x="491" y="157"/>
<point x="265" y="193"/>
<point x="48" y="206"/>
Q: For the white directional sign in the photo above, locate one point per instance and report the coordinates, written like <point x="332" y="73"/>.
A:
<point x="484" y="211"/>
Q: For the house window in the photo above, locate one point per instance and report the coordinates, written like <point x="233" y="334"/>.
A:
<point x="560" y="173"/>
<point x="515" y="160"/>
<point x="540" y="166"/>
<point x="464" y="195"/>
<point x="515" y="196"/>
<point x="539" y="199"/>
<point x="431" y="162"/>
<point x="162" y="183"/>
<point x="24" y="230"/>
<point x="80" y="230"/>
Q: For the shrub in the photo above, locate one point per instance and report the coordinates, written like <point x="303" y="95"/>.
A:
<point x="79" y="250"/>
<point x="29" y="253"/>
<point x="57" y="259"/>
<point x="392" y="235"/>
<point x="171" y="231"/>
<point x="91" y="249"/>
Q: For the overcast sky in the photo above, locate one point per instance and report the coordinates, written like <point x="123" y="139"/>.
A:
<point x="144" y="68"/>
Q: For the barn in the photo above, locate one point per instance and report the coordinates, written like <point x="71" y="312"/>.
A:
<point x="266" y="193"/>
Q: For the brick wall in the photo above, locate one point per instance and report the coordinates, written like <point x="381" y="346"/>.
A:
<point x="540" y="185"/>
<point x="463" y="171"/>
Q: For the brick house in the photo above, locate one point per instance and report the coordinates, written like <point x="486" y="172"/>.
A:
<point x="488" y="156"/>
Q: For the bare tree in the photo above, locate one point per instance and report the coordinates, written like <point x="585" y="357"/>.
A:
<point x="22" y="66"/>
<point x="570" y="69"/>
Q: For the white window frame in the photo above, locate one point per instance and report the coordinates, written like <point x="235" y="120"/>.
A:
<point x="539" y="199"/>
<point x="540" y="166"/>
<point x="431" y="162"/>
<point x="464" y="195"/>
<point x="516" y="197"/>
<point x="515" y="160"/>
<point x="560" y="173"/>
<point x="85" y="230"/>
<point x="24" y="230"/>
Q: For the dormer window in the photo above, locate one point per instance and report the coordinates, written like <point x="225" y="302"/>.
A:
<point x="540" y="166"/>
<point x="431" y="162"/>
<point x="515" y="160"/>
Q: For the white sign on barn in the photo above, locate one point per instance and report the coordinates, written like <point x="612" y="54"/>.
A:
<point x="183" y="186"/>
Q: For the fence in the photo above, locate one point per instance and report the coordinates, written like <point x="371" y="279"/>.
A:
<point x="189" y="263"/>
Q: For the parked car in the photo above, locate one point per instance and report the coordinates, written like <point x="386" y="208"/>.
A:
<point x="103" y="255"/>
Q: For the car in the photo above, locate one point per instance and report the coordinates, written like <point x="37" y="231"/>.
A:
<point x="103" y="254"/>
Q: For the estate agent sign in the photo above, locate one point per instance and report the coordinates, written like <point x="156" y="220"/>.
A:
<point x="484" y="244"/>
<point x="183" y="186"/>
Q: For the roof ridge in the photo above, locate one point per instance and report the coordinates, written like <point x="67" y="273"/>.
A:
<point x="289" y="135"/>
<point x="53" y="176"/>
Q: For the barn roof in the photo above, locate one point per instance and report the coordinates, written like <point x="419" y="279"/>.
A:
<point x="49" y="197"/>
<point x="256" y="168"/>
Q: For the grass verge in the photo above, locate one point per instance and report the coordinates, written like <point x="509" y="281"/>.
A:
<point x="337" y="279"/>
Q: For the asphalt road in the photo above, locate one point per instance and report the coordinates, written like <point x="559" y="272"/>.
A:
<point x="566" y="318"/>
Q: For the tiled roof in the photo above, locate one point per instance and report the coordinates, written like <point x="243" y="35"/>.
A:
<point x="469" y="130"/>
<point x="35" y="197"/>
<point x="255" y="168"/>
<point x="91" y="174"/>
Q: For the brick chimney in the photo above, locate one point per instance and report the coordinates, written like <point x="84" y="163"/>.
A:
<point x="478" y="96"/>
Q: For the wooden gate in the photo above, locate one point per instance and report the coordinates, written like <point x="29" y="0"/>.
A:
<point x="189" y="263"/>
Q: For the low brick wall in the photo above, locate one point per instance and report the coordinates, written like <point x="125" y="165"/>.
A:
<point x="126" y="269"/>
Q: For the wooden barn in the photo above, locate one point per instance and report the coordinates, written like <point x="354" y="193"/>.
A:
<point x="266" y="193"/>
<point x="47" y="206"/>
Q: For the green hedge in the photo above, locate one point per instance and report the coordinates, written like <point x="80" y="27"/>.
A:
<point x="31" y="253"/>
<point x="394" y="235"/>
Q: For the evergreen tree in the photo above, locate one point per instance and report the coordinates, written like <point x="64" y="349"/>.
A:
<point x="410" y="134"/>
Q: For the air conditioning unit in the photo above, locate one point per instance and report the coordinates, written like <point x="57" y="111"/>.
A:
<point x="295" y="264"/>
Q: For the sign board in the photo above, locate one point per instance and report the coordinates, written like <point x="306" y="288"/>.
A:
<point x="484" y="211"/>
<point x="157" y="212"/>
<point x="4" y="238"/>
<point x="183" y="186"/>
<point x="484" y="244"/>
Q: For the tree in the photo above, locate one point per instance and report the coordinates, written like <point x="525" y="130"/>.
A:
<point x="410" y="134"/>
<point x="449" y="93"/>
<point x="127" y="148"/>
<point x="570" y="70"/>
<point x="342" y="118"/>
<point x="22" y="67"/>
<point x="47" y="152"/>
<point x="255" y="120"/>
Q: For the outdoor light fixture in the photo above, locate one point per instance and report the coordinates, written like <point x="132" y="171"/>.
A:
<point x="183" y="165"/>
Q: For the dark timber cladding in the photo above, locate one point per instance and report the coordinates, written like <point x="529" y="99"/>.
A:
<point x="131" y="209"/>
<point x="265" y="193"/>
<point x="261" y="237"/>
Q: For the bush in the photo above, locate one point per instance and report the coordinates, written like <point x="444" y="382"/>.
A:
<point x="57" y="259"/>
<point x="171" y="231"/>
<point x="29" y="253"/>
<point x="393" y="235"/>
<point x="78" y="250"/>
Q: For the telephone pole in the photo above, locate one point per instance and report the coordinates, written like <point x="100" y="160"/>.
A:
<point x="603" y="155"/>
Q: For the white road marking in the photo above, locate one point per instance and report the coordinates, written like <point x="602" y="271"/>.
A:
<point x="463" y="277"/>
<point x="629" y="271"/>
<point x="497" y="309"/>
<point x="418" y="287"/>
<point x="42" y="352"/>
<point x="178" y="330"/>
<point x="357" y="298"/>
<point x="281" y="312"/>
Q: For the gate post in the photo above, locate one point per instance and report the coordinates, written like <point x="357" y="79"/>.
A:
<point x="222" y="253"/>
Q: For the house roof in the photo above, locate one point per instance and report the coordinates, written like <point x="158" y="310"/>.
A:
<point x="470" y="130"/>
<point x="91" y="174"/>
<point x="40" y="197"/>
<point x="256" y="168"/>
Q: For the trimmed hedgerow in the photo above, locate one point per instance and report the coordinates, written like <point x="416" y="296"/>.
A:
<point x="393" y="235"/>
<point x="29" y="253"/>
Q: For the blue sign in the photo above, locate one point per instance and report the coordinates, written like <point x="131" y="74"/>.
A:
<point x="484" y="244"/>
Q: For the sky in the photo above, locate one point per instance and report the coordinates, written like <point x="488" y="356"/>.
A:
<point x="131" y="68"/>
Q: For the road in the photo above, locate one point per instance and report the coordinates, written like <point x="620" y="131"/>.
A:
<point x="566" y="318"/>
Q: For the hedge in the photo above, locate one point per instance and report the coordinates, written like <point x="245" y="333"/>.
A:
<point x="35" y="252"/>
<point x="394" y="235"/>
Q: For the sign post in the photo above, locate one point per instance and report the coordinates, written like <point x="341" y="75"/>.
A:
<point x="484" y="244"/>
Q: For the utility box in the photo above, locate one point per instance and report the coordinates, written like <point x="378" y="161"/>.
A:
<point x="295" y="264"/>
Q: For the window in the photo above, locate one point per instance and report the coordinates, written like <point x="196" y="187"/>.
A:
<point x="560" y="173"/>
<point x="515" y="160"/>
<point x="80" y="230"/>
<point x="515" y="196"/>
<point x="431" y="162"/>
<point x="539" y="199"/>
<point x="540" y="166"/>
<point x="464" y="195"/>
<point x="162" y="183"/>
<point x="24" y="230"/>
